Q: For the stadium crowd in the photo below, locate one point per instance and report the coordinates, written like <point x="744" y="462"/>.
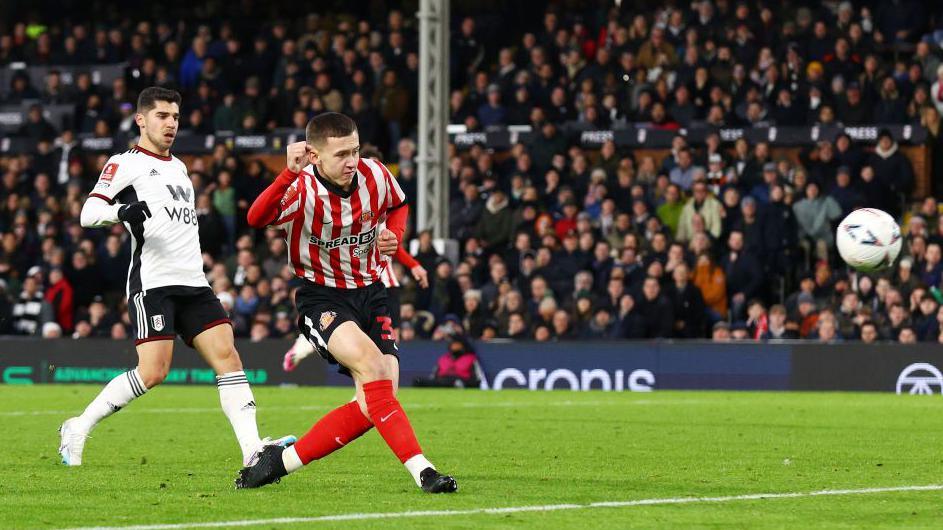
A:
<point x="721" y="241"/>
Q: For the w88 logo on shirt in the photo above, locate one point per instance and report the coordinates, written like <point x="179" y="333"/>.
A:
<point x="182" y="215"/>
<point x="185" y="214"/>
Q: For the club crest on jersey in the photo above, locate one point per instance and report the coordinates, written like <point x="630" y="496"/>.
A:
<point x="157" y="322"/>
<point x="366" y="216"/>
<point x="108" y="174"/>
<point x="364" y="238"/>
<point x="326" y="318"/>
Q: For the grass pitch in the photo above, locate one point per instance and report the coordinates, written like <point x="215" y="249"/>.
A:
<point x="170" y="459"/>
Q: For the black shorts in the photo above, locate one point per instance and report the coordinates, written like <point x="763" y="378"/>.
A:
<point x="165" y="312"/>
<point x="321" y="309"/>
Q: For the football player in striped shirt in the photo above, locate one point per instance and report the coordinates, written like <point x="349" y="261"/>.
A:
<point x="303" y="349"/>
<point x="332" y="204"/>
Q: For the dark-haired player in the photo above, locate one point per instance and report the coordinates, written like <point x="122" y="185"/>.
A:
<point x="149" y="191"/>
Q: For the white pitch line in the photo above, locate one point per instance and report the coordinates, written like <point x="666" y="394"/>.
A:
<point x="407" y="406"/>
<point x="516" y="509"/>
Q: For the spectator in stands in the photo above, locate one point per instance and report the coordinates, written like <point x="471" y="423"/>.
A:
<point x="669" y="211"/>
<point x="60" y="298"/>
<point x="392" y="102"/>
<point x="847" y="196"/>
<point x="852" y="109"/>
<point x="777" y="329"/>
<point x="20" y="90"/>
<point x="37" y="128"/>
<point x="704" y="206"/>
<point x="31" y="311"/>
<point x="936" y="91"/>
<point x="815" y="215"/>
<point x="99" y="319"/>
<point x="473" y="320"/>
<point x="602" y="326"/>
<point x="932" y="267"/>
<point x="743" y="272"/>
<point x="757" y="319"/>
<point x="655" y="310"/>
<point x="684" y="172"/>
<point x="898" y="317"/>
<point x="224" y="202"/>
<point x="925" y="319"/>
<point x="770" y="178"/>
<point x="465" y="213"/>
<point x="687" y="305"/>
<point x="494" y="226"/>
<point x="562" y="327"/>
<point x="907" y="335"/>
<point x="444" y="296"/>
<point x="459" y="367"/>
<point x="826" y="332"/>
<point x="806" y="314"/>
<point x="51" y="330"/>
<point x="492" y="112"/>
<point x="720" y="332"/>
<point x="869" y="333"/>
<point x="892" y="170"/>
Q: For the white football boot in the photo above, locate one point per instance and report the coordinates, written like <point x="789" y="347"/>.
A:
<point x="71" y="442"/>
<point x="284" y="441"/>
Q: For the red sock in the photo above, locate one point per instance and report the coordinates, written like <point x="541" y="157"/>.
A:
<point x="335" y="430"/>
<point x="390" y="419"/>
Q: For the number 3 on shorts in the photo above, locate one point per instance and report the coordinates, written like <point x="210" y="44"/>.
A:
<point x="386" y="326"/>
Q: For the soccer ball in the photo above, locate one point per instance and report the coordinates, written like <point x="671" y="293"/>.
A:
<point x="868" y="240"/>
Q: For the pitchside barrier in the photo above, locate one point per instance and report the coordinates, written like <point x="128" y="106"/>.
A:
<point x="612" y="366"/>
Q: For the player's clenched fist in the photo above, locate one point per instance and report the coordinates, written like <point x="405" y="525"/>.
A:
<point x="297" y="154"/>
<point x="387" y="243"/>
<point x="134" y="213"/>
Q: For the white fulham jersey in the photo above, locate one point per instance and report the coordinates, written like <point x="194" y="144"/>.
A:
<point x="165" y="249"/>
<point x="332" y="233"/>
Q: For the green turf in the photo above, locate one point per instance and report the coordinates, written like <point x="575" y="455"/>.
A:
<point x="151" y="465"/>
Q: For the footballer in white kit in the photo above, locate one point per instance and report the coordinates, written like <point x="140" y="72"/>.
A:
<point x="165" y="247"/>
<point x="150" y="191"/>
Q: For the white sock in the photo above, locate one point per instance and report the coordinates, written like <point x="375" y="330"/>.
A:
<point x="115" y="396"/>
<point x="303" y="348"/>
<point x="291" y="460"/>
<point x="235" y="397"/>
<point x="416" y="465"/>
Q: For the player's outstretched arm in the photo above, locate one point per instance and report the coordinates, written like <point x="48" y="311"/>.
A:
<point x="266" y="208"/>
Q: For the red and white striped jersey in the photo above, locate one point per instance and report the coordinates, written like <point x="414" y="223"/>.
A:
<point x="331" y="233"/>
<point x="387" y="273"/>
